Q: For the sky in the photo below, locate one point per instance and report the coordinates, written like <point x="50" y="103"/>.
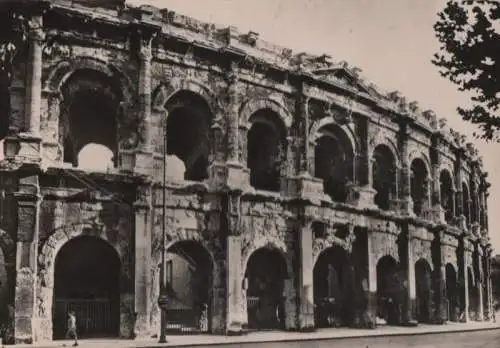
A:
<point x="392" y="42"/>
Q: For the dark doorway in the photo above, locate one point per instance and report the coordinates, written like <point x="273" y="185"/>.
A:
<point x="423" y="280"/>
<point x="87" y="281"/>
<point x="189" y="288"/>
<point x="266" y="273"/>
<point x="333" y="288"/>
<point x="451" y="292"/>
<point x="389" y="291"/>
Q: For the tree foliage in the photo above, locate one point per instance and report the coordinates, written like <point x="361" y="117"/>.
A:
<point x="469" y="56"/>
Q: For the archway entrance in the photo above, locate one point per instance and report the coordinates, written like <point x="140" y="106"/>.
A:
<point x="423" y="280"/>
<point x="87" y="281"/>
<point x="389" y="291"/>
<point x="266" y="273"/>
<point x="451" y="292"/>
<point x="189" y="288"/>
<point x="333" y="288"/>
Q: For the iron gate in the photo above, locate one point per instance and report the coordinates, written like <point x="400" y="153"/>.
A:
<point x="94" y="318"/>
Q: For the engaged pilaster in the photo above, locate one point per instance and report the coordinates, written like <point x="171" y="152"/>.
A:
<point x="232" y="174"/>
<point x="305" y="288"/>
<point x="234" y="275"/>
<point x="406" y="200"/>
<point x="410" y="278"/>
<point x="26" y="145"/>
<point x="26" y="328"/>
<point x="144" y="152"/>
<point x="301" y="183"/>
<point x="143" y="240"/>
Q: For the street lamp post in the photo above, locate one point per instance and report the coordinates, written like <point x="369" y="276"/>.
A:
<point x="163" y="298"/>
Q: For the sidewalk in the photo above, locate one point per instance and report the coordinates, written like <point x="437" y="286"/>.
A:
<point x="274" y="336"/>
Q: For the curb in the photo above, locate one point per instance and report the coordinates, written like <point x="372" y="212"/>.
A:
<point x="323" y="338"/>
<point x="263" y="340"/>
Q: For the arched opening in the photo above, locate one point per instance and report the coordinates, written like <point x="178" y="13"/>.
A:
<point x="473" y="296"/>
<point x="465" y="202"/>
<point x="451" y="292"/>
<point x="188" y="133"/>
<point x="419" y="186"/>
<point x="384" y="176"/>
<point x="333" y="162"/>
<point x="89" y="114"/>
<point x="423" y="282"/>
<point x="266" y="145"/>
<point x="266" y="273"/>
<point x="446" y="189"/>
<point x="87" y="281"/>
<point x="189" y="275"/>
<point x="389" y="290"/>
<point x="95" y="157"/>
<point x="333" y="278"/>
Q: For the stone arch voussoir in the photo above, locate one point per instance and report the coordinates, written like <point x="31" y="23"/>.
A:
<point x="58" y="239"/>
<point x="165" y="91"/>
<point x="251" y="106"/>
<point x="389" y="144"/>
<point x="259" y="244"/>
<point x="449" y="170"/>
<point x="347" y="130"/>
<point x="63" y="70"/>
<point x="417" y="154"/>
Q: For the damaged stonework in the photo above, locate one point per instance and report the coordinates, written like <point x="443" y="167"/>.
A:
<point x="302" y="196"/>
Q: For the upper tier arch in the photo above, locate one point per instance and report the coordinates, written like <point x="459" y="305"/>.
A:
<point x="63" y="70"/>
<point x="165" y="91"/>
<point x="326" y="121"/>
<point x="253" y="105"/>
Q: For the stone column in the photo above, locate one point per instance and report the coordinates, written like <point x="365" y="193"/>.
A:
<point x="144" y="151"/>
<point x="453" y="203"/>
<point x="465" y="277"/>
<point x="235" y="286"/>
<point x="235" y="283"/>
<point x="479" y="286"/>
<point x="36" y="37"/>
<point x="303" y="135"/>
<point x="26" y="328"/>
<point x="439" y="212"/>
<point x="442" y="305"/>
<point x="371" y="286"/>
<point x="490" y="288"/>
<point x="410" y="279"/>
<point x="305" y="290"/>
<point x="459" y="204"/>
<point x="26" y="143"/>
<point x="143" y="240"/>
<point x="406" y="200"/>
<point x="233" y="146"/>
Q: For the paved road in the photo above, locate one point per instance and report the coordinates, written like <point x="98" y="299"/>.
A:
<point x="477" y="339"/>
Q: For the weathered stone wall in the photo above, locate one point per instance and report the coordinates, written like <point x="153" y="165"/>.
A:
<point x="62" y="221"/>
<point x="143" y="67"/>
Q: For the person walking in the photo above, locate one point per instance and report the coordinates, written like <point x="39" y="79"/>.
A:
<point x="71" y="333"/>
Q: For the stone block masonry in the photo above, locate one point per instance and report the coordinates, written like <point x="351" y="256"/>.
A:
<point x="307" y="198"/>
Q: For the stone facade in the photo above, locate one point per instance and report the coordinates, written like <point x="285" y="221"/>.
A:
<point x="290" y="153"/>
